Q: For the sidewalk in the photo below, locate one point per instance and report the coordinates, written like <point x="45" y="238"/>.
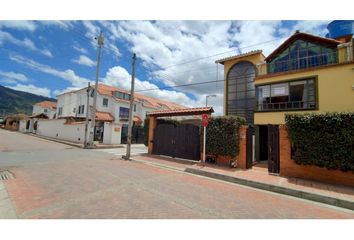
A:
<point x="337" y="195"/>
<point x="76" y="144"/>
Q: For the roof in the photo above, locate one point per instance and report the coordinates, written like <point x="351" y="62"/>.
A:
<point x="137" y="119"/>
<point x="47" y="104"/>
<point x="104" y="116"/>
<point x="182" y="112"/>
<point x="304" y="36"/>
<point x="40" y="115"/>
<point x="148" y="101"/>
<point x="239" y="56"/>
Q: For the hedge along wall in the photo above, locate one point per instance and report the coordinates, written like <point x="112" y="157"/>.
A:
<point x="223" y="136"/>
<point x="324" y="140"/>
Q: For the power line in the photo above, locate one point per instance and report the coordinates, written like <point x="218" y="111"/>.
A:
<point x="198" y="83"/>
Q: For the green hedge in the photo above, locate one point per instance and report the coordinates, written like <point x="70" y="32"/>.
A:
<point x="324" y="140"/>
<point x="223" y="136"/>
<point x="159" y="121"/>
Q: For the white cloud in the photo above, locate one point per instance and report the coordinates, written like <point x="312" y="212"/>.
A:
<point x="313" y="27"/>
<point x="66" y="25"/>
<point x="25" y="43"/>
<point x="68" y="74"/>
<point x="84" y="60"/>
<point x="32" y="89"/>
<point x="19" y="24"/>
<point x="80" y="49"/>
<point x="163" y="47"/>
<point x="14" y="76"/>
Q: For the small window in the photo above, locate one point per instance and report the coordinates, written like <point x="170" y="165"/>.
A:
<point x="81" y="109"/>
<point x="74" y="110"/>
<point x="134" y="107"/>
<point x="60" y="111"/>
<point x="105" y="102"/>
<point x="45" y="110"/>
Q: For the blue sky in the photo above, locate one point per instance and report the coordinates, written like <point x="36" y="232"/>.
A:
<point x="49" y="57"/>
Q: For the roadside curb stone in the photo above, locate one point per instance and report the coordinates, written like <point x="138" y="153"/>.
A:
<point x="277" y="189"/>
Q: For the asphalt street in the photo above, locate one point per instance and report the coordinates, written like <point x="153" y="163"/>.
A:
<point x="53" y="180"/>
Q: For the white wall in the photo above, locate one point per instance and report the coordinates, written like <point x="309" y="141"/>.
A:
<point x="56" y="128"/>
<point x="22" y="126"/>
<point x="39" y="110"/>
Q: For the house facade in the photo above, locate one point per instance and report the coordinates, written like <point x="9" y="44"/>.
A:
<point x="111" y="118"/>
<point x="305" y="74"/>
<point x="46" y="107"/>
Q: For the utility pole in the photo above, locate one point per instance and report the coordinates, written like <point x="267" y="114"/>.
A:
<point x="100" y="41"/>
<point x="87" y="114"/>
<point x="129" y="142"/>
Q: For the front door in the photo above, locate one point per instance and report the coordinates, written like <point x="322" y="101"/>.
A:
<point x="273" y="149"/>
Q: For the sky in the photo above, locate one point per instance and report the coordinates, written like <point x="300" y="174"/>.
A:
<point x="51" y="57"/>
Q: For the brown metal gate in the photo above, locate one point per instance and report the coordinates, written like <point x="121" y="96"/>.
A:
<point x="182" y="141"/>
<point x="273" y="149"/>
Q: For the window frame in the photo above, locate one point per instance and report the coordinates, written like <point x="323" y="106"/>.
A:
<point x="307" y="79"/>
<point x="103" y="102"/>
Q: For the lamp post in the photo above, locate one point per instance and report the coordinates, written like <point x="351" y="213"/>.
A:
<point x="206" y="99"/>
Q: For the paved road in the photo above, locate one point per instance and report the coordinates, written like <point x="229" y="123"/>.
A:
<point x="53" y="180"/>
<point x="136" y="149"/>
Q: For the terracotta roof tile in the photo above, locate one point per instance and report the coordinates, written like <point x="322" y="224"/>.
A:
<point x="239" y="56"/>
<point x="148" y="101"/>
<point x="137" y="119"/>
<point x="47" y="104"/>
<point x="104" y="116"/>
<point x="183" y="112"/>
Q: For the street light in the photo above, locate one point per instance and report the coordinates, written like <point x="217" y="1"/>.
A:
<point x="206" y="99"/>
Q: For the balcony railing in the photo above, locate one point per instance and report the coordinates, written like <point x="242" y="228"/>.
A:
<point x="303" y="62"/>
<point x="279" y="106"/>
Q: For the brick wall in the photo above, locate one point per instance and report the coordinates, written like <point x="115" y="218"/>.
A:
<point x="289" y="168"/>
<point x="241" y="157"/>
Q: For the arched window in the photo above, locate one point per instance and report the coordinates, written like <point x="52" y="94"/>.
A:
<point x="241" y="91"/>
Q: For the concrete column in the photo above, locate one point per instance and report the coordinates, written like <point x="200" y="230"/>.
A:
<point x="152" y="126"/>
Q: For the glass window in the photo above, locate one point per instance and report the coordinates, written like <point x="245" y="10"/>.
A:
<point x="289" y="95"/>
<point x="301" y="54"/>
<point x="105" y="102"/>
<point x="123" y="112"/>
<point x="240" y="84"/>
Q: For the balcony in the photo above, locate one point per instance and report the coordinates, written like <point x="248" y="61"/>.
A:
<point x="286" y="106"/>
<point x="344" y="53"/>
<point x="303" y="62"/>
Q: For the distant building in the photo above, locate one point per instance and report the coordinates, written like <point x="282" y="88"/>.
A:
<point x="46" y="107"/>
<point x="111" y="116"/>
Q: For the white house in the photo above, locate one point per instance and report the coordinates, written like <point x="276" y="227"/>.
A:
<point x="46" y="107"/>
<point x="111" y="117"/>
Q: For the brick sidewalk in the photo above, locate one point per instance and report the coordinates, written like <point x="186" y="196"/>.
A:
<point x="259" y="176"/>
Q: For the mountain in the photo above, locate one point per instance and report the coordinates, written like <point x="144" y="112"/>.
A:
<point x="12" y="101"/>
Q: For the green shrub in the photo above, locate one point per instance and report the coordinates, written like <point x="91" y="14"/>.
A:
<point x="324" y="140"/>
<point x="223" y="136"/>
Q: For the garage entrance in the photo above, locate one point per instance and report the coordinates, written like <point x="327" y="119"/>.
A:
<point x="181" y="140"/>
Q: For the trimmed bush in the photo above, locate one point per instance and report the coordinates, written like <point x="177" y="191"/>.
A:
<point x="223" y="136"/>
<point x="323" y="140"/>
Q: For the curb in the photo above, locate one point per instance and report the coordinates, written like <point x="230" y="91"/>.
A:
<point x="277" y="189"/>
<point x="72" y="144"/>
<point x="58" y="141"/>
